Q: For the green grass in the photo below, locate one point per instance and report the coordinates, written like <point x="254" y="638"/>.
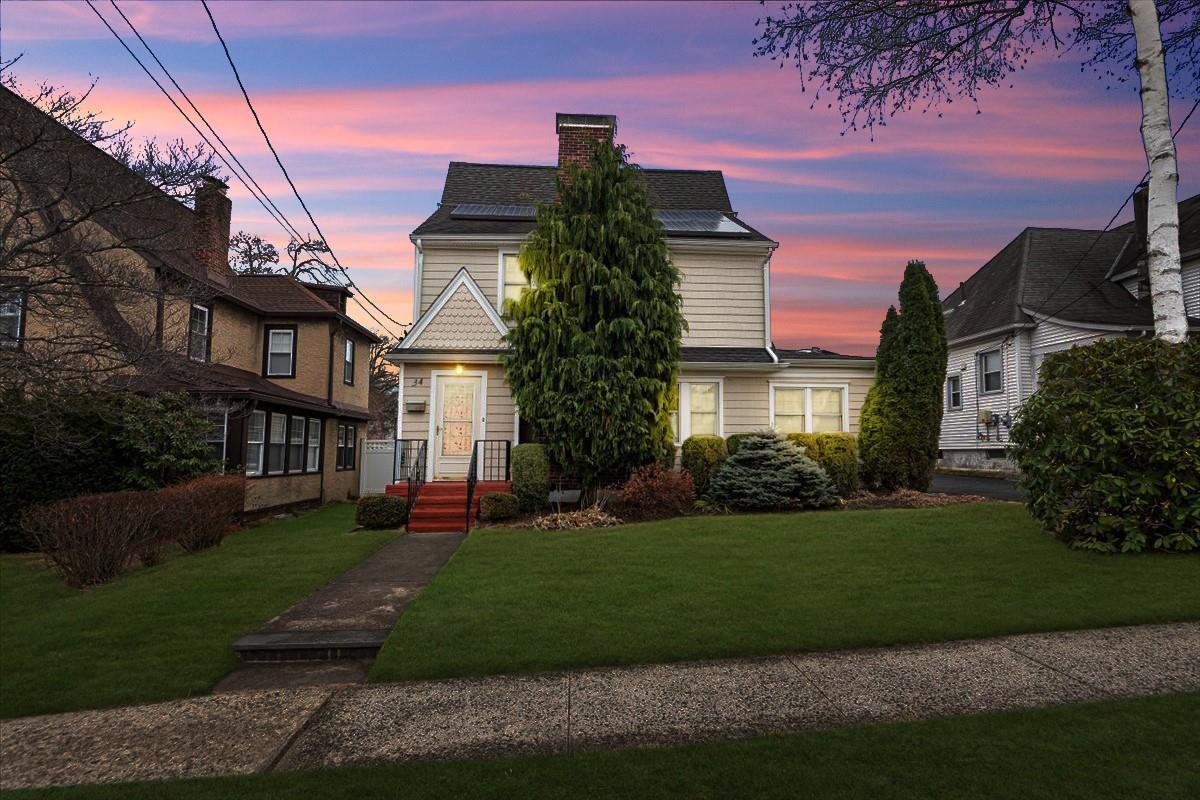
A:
<point x="1117" y="749"/>
<point x="163" y="632"/>
<point x="712" y="587"/>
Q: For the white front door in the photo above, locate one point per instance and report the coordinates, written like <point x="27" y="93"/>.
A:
<point x="458" y="422"/>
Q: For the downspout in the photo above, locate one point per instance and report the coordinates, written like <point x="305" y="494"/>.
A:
<point x="418" y="267"/>
<point x="766" y="267"/>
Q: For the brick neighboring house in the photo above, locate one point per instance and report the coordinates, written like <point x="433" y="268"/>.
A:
<point x="281" y="367"/>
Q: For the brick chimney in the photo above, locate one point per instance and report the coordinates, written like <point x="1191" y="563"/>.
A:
<point x="210" y="228"/>
<point x="577" y="133"/>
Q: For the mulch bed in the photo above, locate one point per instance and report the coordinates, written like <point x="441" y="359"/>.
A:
<point x="908" y="498"/>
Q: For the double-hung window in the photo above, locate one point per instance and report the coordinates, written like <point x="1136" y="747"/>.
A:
<point x="341" y="447"/>
<point x="296" y="436"/>
<point x="348" y="362"/>
<point x="12" y="318"/>
<point x="200" y="333"/>
<point x="512" y="278"/>
<point x="255" y="436"/>
<point x="280" y="357"/>
<point x="698" y="409"/>
<point x="346" y="443"/>
<point x="953" y="392"/>
<point x="276" y="436"/>
<point x="991" y="372"/>
<point x="314" y="446"/>
<point x="808" y="409"/>
<point x="215" y="438"/>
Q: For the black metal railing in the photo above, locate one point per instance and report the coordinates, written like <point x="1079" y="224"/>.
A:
<point x="409" y="465"/>
<point x="491" y="460"/>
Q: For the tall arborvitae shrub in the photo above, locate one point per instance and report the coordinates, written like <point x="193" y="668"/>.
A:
<point x="594" y="345"/>
<point x="902" y="415"/>
<point x="770" y="473"/>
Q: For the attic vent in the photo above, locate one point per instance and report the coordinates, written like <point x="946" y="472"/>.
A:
<point x="492" y="211"/>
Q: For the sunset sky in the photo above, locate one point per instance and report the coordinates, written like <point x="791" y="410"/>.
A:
<point x="368" y="102"/>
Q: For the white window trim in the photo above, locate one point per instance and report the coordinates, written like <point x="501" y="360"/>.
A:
<point x="431" y="433"/>
<point x="349" y="357"/>
<point x="291" y="334"/>
<point x="207" y="331"/>
<point x="949" y="406"/>
<point x="684" y="426"/>
<point x="308" y="445"/>
<point x="268" y="442"/>
<point x="979" y="372"/>
<point x="773" y="385"/>
<point x="461" y="278"/>
<point x="262" y="444"/>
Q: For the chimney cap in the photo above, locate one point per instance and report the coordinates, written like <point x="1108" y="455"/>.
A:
<point x="213" y="182"/>
<point x="562" y="120"/>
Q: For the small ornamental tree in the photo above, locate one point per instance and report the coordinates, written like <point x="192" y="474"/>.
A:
<point x="594" y="345"/>
<point x="902" y="415"/>
<point x="770" y="473"/>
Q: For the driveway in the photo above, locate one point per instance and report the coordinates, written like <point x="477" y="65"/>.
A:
<point x="995" y="488"/>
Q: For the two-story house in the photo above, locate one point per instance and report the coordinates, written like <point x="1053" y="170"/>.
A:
<point x="732" y="378"/>
<point x="278" y="363"/>
<point x="1049" y="289"/>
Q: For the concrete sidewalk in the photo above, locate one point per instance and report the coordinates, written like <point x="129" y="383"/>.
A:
<point x="245" y="732"/>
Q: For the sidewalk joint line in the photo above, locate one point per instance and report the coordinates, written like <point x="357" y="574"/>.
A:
<point x="1069" y="676"/>
<point x="837" y="708"/>
<point x="300" y="729"/>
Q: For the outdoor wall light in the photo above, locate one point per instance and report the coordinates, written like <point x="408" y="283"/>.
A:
<point x="458" y="369"/>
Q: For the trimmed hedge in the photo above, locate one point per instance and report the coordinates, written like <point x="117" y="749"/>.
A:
<point x="498" y="506"/>
<point x="199" y="514"/>
<point x="770" y="473"/>
<point x="381" y="511"/>
<point x="531" y="476"/>
<point x="837" y="454"/>
<point x="702" y="455"/>
<point x="1108" y="446"/>
<point x="733" y="440"/>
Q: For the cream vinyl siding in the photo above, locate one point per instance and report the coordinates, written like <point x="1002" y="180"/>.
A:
<point x="722" y="288"/>
<point x="441" y="262"/>
<point x="722" y="295"/>
<point x="417" y="382"/>
<point x="746" y="399"/>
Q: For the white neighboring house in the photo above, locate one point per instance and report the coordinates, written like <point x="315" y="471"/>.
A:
<point x="732" y="379"/>
<point x="1049" y="289"/>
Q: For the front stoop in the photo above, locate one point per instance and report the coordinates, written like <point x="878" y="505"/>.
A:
<point x="310" y="645"/>
<point x="442" y="505"/>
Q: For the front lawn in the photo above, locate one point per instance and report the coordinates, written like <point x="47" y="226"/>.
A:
<point x="1115" y="749"/>
<point x="715" y="587"/>
<point x="164" y="632"/>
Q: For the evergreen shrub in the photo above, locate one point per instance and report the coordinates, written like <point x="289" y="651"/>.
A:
<point x="498" y="506"/>
<point x="1109" y="446"/>
<point x="701" y="456"/>
<point x="381" y="511"/>
<point x="836" y="453"/>
<point x="531" y="476"/>
<point x="770" y="473"/>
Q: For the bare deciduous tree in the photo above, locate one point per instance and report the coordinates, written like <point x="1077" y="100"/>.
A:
<point x="882" y="57"/>
<point x="252" y="255"/>
<point x="384" y="390"/>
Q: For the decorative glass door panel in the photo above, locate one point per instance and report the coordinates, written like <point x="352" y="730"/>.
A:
<point x="457" y="425"/>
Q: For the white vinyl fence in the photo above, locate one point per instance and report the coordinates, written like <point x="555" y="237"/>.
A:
<point x="379" y="456"/>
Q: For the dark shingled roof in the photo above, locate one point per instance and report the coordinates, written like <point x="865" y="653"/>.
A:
<point x="816" y="354"/>
<point x="726" y="355"/>
<point x="1054" y="272"/>
<point x="516" y="184"/>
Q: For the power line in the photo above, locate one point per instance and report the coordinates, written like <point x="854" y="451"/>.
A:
<point x="1100" y="235"/>
<point x="283" y="169"/>
<point x="182" y="113"/>
<point x="281" y="216"/>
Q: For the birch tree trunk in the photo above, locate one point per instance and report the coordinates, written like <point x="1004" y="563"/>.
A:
<point x="1162" y="212"/>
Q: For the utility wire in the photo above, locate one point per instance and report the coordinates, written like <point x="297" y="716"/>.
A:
<point x="182" y="113"/>
<point x="1100" y="235"/>
<point x="281" y="216"/>
<point x="283" y="169"/>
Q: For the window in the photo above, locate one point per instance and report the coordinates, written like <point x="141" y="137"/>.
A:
<point x="12" y="319"/>
<point x="254" y="442"/>
<point x="697" y="410"/>
<point x="954" y="392"/>
<point x="314" y="445"/>
<point x="991" y="377"/>
<point x="200" y="333"/>
<point x="215" y="438"/>
<point x="348" y="362"/>
<point x="347" y="442"/>
<point x="295" y="462"/>
<point x="808" y="409"/>
<point x="275" y="444"/>
<point x="513" y="280"/>
<point x="279" y="360"/>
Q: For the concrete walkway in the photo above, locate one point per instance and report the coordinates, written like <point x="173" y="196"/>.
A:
<point x="246" y="732"/>
<point x="332" y="636"/>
